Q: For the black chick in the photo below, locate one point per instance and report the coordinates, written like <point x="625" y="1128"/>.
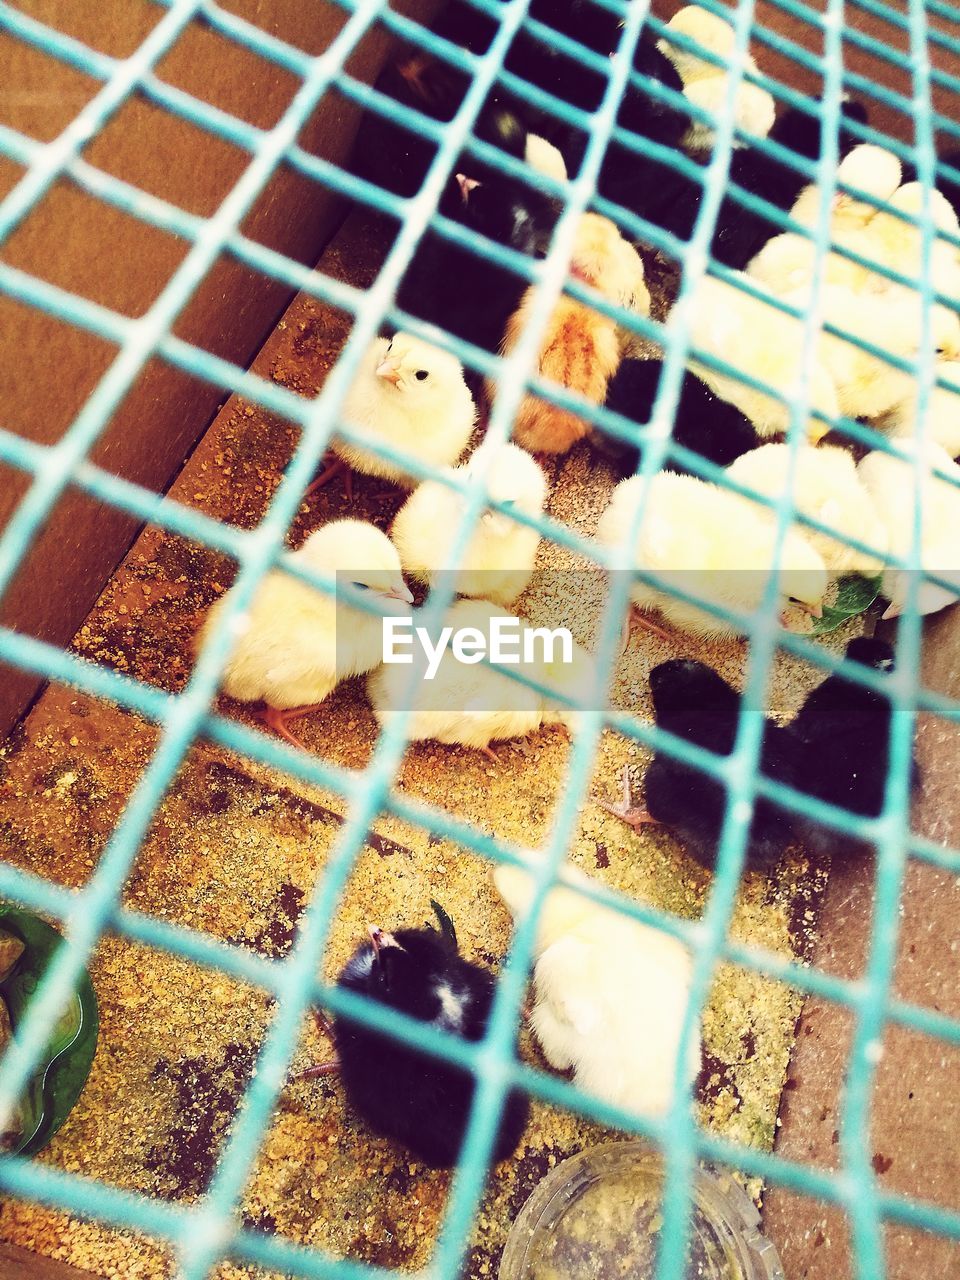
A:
<point x="404" y="1094"/>
<point x="845" y="731"/>
<point x="396" y="158"/>
<point x="704" y="423"/>
<point x="645" y="185"/>
<point x="693" y="702"/>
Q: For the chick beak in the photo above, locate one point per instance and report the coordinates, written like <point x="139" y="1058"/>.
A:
<point x="389" y="370"/>
<point x="814" y="610"/>
<point x="466" y="185"/>
<point x="399" y="592"/>
<point x="891" y="611"/>
<point x="379" y="938"/>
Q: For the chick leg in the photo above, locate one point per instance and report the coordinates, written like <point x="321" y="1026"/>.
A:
<point x="328" y="1068"/>
<point x="278" y="721"/>
<point x="491" y="755"/>
<point x="625" y="810"/>
<point x="330" y="471"/>
<point x="637" y="618"/>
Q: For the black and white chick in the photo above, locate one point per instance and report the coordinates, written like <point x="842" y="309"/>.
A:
<point x="451" y="286"/>
<point x="844" y="729"/>
<point x="692" y="701"/>
<point x="403" y="1093"/>
<point x="445" y="283"/>
<point x="703" y="423"/>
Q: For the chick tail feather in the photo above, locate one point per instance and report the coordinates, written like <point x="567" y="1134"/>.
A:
<point x="546" y="428"/>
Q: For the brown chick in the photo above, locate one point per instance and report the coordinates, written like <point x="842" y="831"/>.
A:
<point x="581" y="348"/>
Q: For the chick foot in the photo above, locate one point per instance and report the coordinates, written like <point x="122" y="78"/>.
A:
<point x="625" y="810"/>
<point x="278" y="720"/>
<point x="328" y="1068"/>
<point x="490" y="754"/>
<point x="636" y="618"/>
<point x="332" y="469"/>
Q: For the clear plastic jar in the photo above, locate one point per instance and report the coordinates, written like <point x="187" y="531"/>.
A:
<point x="598" y="1215"/>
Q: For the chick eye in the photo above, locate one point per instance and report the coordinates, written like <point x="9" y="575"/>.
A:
<point x="360" y="586"/>
<point x="421" y="375"/>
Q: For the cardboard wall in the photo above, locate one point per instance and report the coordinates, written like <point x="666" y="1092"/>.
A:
<point x="48" y="368"/>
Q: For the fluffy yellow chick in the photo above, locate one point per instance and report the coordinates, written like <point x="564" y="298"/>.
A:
<point x="705" y="84"/>
<point x="581" y="348"/>
<point x="786" y="262"/>
<point x="468" y="702"/>
<point x="942" y="422"/>
<point x="543" y="157"/>
<point x="610" y="996"/>
<point x="411" y="396"/>
<point x="766" y="344"/>
<point x="866" y="385"/>
<point x="826" y="487"/>
<point x="497" y="563"/>
<point x="890" y="482"/>
<point x="295" y="644"/>
<point x="712" y="543"/>
<point x="897" y="244"/>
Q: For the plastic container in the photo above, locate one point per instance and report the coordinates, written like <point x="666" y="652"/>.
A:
<point x="598" y="1217"/>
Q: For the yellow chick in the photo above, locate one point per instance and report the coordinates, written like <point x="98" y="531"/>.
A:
<point x="497" y="563"/>
<point x="543" y="157"/>
<point x="581" y="349"/>
<point x="942" y="422"/>
<point x="786" y="262"/>
<point x="890" y="482"/>
<point x="705" y="84"/>
<point x="866" y="385"/>
<point x="294" y="644"/>
<point x="610" y="995"/>
<point x="712" y="543"/>
<point x="766" y="344"/>
<point x="412" y="396"/>
<point x="896" y="244"/>
<point x="826" y="487"/>
<point x="462" y="700"/>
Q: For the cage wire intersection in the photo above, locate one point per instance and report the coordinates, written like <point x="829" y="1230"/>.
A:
<point x="208" y="1232"/>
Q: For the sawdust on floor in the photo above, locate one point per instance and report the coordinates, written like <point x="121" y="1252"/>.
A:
<point x="237" y="850"/>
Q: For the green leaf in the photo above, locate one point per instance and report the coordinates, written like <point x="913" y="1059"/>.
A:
<point x="855" y="595"/>
<point x="63" y="1069"/>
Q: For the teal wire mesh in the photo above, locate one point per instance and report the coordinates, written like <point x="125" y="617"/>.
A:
<point x="209" y="1231"/>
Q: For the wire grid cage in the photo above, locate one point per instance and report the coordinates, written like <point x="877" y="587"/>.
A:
<point x="209" y="1231"/>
